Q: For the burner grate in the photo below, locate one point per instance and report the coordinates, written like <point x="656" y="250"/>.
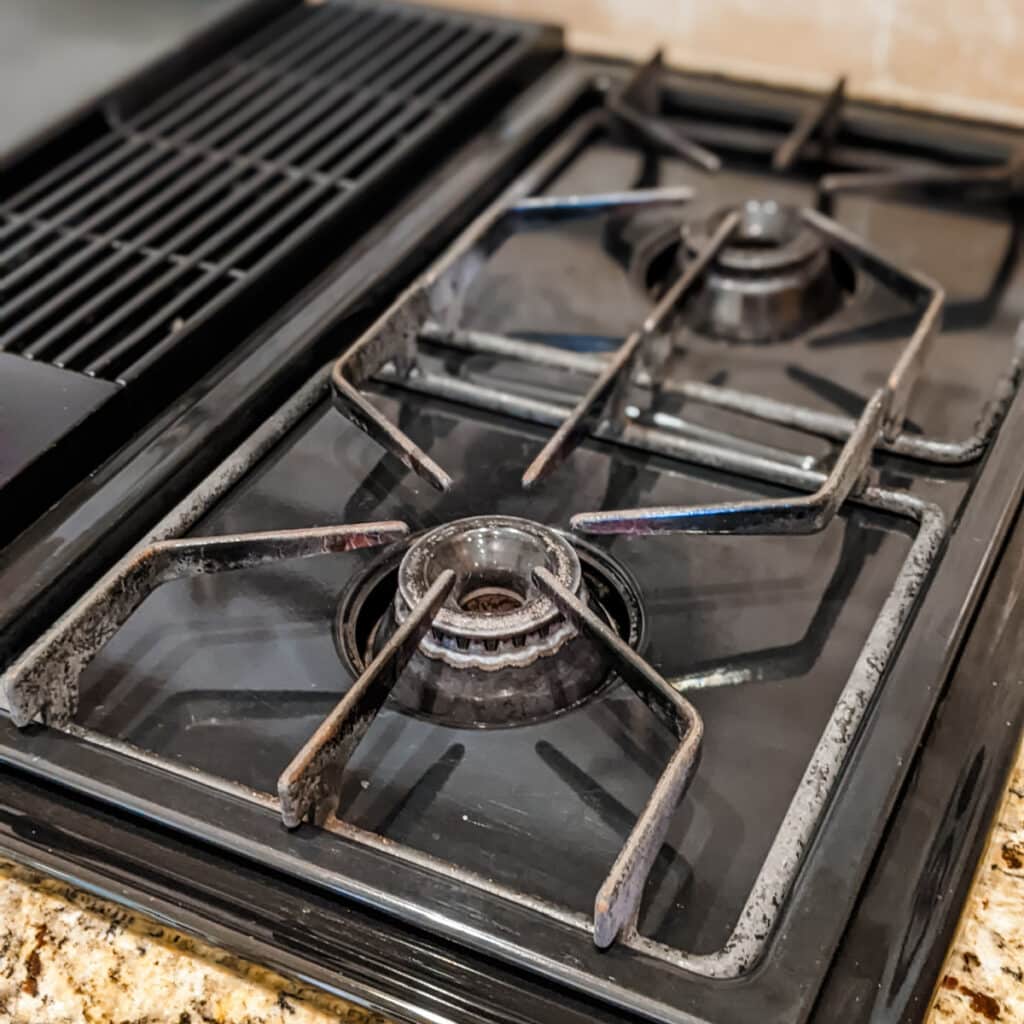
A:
<point x="819" y="127"/>
<point x="431" y="309"/>
<point x="309" y="786"/>
<point x="119" y="252"/>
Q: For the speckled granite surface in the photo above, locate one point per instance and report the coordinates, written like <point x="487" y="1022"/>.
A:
<point x="983" y="977"/>
<point x="69" y="958"/>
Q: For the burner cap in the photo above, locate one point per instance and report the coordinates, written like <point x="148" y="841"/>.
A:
<point x="769" y="237"/>
<point x="775" y="279"/>
<point x="500" y="652"/>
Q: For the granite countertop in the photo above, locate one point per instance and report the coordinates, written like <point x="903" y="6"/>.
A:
<point x="982" y="979"/>
<point x="67" y="957"/>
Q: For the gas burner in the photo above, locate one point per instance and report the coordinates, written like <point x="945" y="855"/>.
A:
<point x="499" y="651"/>
<point x="775" y="278"/>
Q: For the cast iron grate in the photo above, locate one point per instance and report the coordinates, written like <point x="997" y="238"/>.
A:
<point x="117" y="253"/>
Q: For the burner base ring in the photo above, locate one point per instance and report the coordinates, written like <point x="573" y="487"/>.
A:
<point x="490" y="699"/>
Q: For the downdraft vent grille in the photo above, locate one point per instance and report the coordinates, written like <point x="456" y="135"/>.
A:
<point x="111" y="257"/>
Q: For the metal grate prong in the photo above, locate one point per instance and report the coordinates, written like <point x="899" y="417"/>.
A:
<point x="821" y="120"/>
<point x="808" y="514"/>
<point x="309" y="786"/>
<point x="636" y="104"/>
<point x="618" y="900"/>
<point x="568" y="435"/>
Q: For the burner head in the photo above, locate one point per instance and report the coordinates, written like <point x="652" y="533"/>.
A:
<point x="774" y="279"/>
<point x="499" y="652"/>
<point x="495" y="616"/>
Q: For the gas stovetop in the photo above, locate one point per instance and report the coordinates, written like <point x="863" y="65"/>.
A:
<point x="588" y="610"/>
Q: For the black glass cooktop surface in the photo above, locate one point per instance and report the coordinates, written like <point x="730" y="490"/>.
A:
<point x="813" y="660"/>
<point x="232" y="673"/>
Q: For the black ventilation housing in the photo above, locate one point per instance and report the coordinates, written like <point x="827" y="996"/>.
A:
<point x="113" y="256"/>
<point x="136" y="247"/>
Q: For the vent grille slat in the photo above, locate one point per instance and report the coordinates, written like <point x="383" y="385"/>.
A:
<point x="112" y="256"/>
<point x="71" y="277"/>
<point x="137" y="299"/>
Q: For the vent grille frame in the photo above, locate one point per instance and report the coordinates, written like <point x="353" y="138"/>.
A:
<point x="115" y="255"/>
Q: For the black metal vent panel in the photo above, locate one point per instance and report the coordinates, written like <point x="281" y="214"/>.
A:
<point x="113" y="256"/>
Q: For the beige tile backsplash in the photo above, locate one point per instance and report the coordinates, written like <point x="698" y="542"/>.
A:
<point x="956" y="56"/>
